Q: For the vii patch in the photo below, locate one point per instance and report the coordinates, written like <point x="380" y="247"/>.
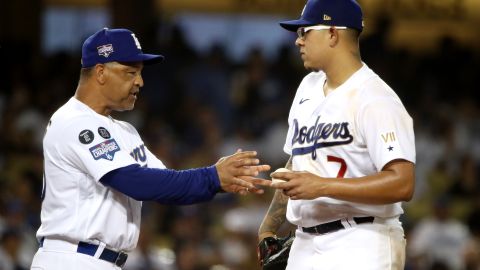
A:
<point x="105" y="150"/>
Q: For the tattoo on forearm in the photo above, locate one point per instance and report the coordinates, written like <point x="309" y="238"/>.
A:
<point x="275" y="216"/>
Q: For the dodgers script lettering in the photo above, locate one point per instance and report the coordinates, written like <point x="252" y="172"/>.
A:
<point x="318" y="136"/>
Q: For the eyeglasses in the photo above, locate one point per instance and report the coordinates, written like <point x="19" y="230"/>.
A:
<point x="302" y="31"/>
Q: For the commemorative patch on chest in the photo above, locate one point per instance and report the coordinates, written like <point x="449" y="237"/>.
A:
<point x="86" y="136"/>
<point x="104" y="133"/>
<point x="105" y="150"/>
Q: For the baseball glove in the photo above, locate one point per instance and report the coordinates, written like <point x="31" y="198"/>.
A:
<point x="273" y="252"/>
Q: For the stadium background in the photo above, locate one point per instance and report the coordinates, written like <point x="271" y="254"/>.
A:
<point x="228" y="80"/>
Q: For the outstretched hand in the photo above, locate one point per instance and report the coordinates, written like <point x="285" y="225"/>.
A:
<point x="237" y="173"/>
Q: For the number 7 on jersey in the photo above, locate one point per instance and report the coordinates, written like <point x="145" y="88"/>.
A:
<point x="343" y="165"/>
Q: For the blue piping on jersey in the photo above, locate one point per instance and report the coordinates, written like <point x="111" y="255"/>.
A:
<point x="311" y="149"/>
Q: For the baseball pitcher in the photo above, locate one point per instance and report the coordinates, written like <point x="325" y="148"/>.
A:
<point x="352" y="152"/>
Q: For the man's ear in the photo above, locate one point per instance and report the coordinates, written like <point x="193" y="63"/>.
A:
<point x="333" y="37"/>
<point x="100" y="73"/>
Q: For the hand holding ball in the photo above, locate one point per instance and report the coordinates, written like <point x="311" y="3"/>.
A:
<point x="275" y="180"/>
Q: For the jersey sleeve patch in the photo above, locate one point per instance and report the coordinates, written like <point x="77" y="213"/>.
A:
<point x="390" y="143"/>
<point x="103" y="132"/>
<point x="105" y="150"/>
<point x="86" y="136"/>
<point x="389" y="137"/>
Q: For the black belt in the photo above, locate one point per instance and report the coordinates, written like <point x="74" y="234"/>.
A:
<point x="335" y="225"/>
<point x="117" y="258"/>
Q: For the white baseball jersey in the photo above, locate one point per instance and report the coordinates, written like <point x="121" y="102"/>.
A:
<point x="80" y="146"/>
<point x="352" y="132"/>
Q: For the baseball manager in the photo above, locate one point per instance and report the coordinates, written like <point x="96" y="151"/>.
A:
<point x="98" y="170"/>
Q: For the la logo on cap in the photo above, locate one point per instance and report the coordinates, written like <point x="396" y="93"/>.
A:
<point x="105" y="50"/>
<point x="326" y="17"/>
<point x="137" y="43"/>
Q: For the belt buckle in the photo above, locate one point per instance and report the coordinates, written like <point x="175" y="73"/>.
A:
<point x="121" y="259"/>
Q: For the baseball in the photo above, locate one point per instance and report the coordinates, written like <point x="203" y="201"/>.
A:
<point x="275" y="180"/>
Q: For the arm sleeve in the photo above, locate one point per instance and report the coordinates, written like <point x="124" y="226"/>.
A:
<point x="387" y="130"/>
<point x="163" y="185"/>
<point x="153" y="161"/>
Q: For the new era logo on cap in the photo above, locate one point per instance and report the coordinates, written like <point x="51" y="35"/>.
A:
<point x="114" y="45"/>
<point x="328" y="12"/>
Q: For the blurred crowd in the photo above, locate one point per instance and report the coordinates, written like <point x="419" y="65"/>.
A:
<point x="196" y="107"/>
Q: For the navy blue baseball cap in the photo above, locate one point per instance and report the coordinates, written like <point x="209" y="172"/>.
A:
<point x="328" y="12"/>
<point x="114" y="45"/>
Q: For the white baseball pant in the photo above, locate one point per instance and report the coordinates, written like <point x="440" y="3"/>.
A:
<point x="376" y="246"/>
<point x="61" y="255"/>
